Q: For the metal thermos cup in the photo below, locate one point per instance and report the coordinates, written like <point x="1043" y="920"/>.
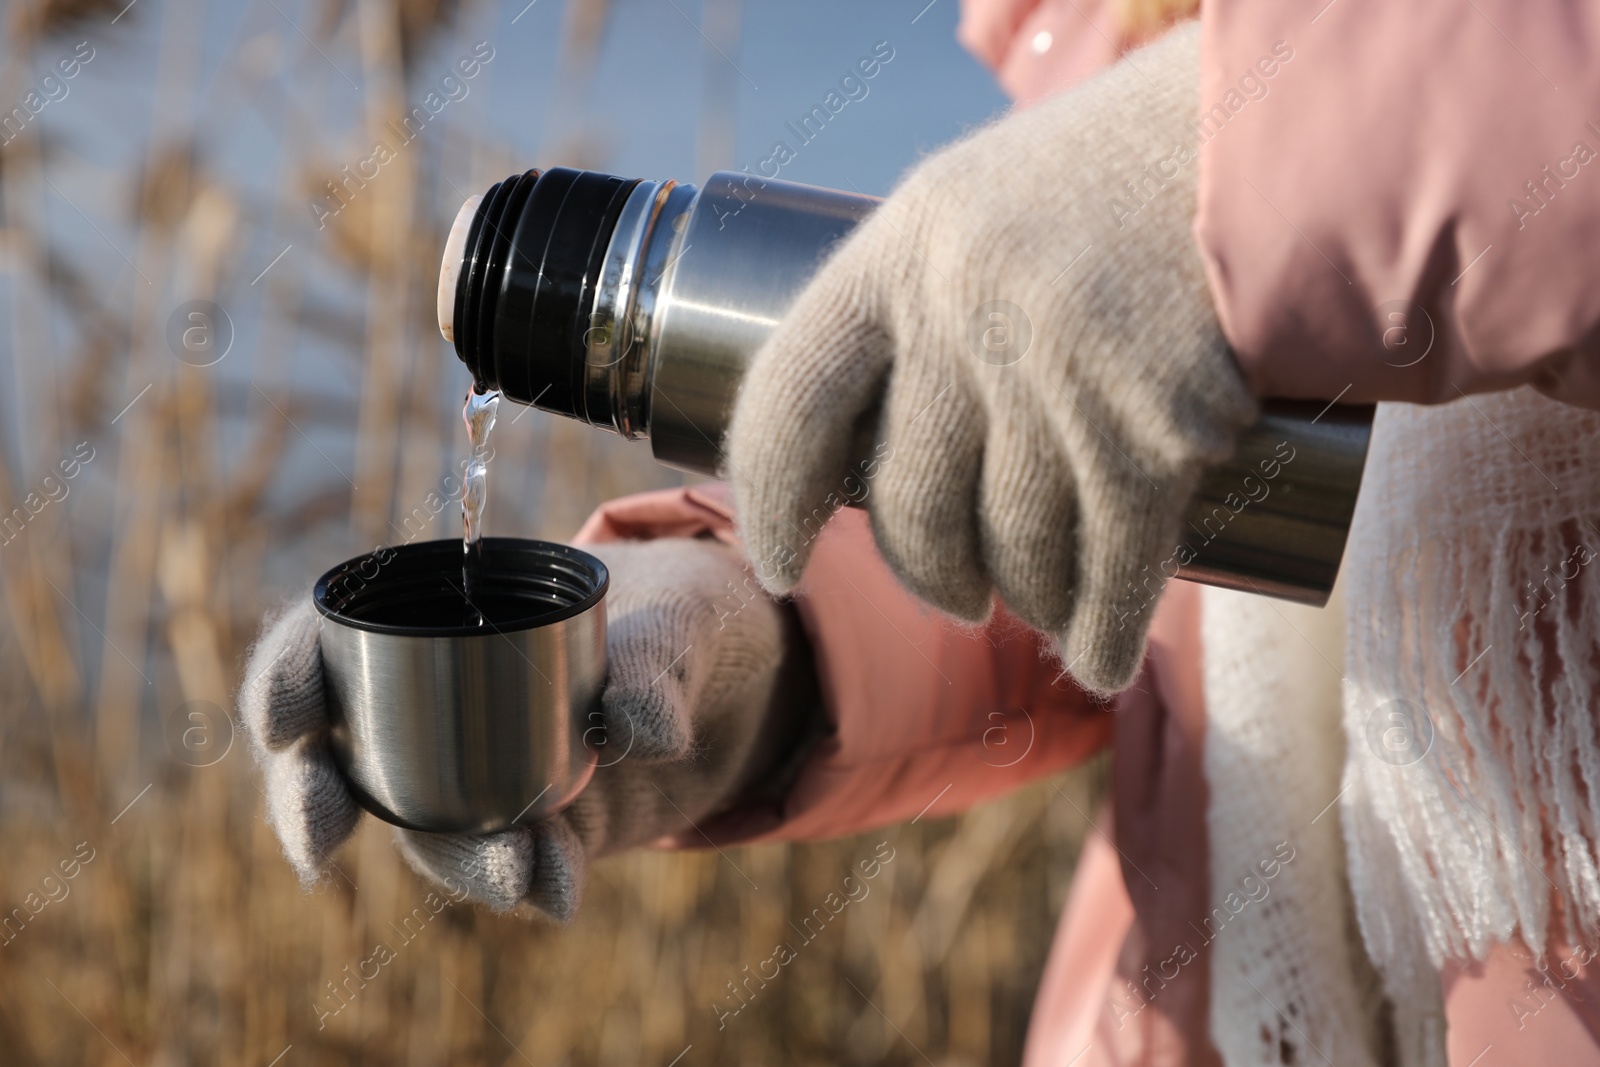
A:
<point x="636" y="306"/>
<point x="445" y="725"/>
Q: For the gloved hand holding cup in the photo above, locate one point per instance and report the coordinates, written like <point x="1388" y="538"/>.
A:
<point x="697" y="705"/>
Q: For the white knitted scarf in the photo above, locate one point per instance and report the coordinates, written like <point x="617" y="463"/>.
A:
<point x="1470" y="799"/>
<point x="1289" y="981"/>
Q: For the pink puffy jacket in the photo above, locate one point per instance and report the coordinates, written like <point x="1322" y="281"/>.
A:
<point x="1394" y="205"/>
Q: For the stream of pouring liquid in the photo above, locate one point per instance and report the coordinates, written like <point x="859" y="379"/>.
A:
<point x="478" y="413"/>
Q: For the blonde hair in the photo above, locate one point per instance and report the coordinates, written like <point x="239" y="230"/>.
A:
<point x="1142" y="19"/>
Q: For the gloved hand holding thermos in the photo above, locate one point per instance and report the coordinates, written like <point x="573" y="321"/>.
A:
<point x="1051" y="463"/>
<point x="1071" y="462"/>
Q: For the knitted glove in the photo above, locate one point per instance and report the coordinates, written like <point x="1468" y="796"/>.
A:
<point x="1031" y="312"/>
<point x="692" y="689"/>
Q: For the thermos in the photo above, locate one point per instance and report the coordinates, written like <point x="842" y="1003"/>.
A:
<point x="636" y="305"/>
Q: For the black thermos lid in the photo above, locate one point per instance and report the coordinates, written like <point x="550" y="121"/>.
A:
<point x="529" y="268"/>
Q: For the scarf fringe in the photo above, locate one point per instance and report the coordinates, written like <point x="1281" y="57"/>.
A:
<point x="1471" y="800"/>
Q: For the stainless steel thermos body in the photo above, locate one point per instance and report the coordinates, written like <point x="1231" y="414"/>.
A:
<point x="447" y="726"/>
<point x="637" y="305"/>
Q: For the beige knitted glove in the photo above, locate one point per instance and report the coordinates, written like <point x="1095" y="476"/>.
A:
<point x="706" y="693"/>
<point x="1052" y="375"/>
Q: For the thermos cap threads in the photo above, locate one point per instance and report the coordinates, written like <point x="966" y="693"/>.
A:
<point x="518" y="284"/>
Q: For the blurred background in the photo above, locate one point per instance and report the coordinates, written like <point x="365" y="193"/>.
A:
<point x="220" y="374"/>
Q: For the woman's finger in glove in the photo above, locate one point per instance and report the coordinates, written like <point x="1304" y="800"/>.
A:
<point x="1128" y="551"/>
<point x="1029" y="525"/>
<point x="696" y="653"/>
<point x="663" y="628"/>
<point x="542" y="865"/>
<point x="281" y="699"/>
<point x="282" y="705"/>
<point x="793" y="429"/>
<point x="308" y="804"/>
<point x="924" y="503"/>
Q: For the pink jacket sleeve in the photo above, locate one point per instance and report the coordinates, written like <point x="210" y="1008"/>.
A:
<point x="1400" y="201"/>
<point x="929" y="716"/>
